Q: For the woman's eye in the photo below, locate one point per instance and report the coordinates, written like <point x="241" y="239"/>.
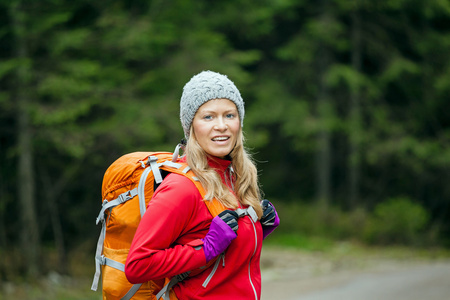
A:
<point x="207" y="117"/>
<point x="231" y="116"/>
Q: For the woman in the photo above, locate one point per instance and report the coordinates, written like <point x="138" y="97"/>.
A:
<point x="177" y="233"/>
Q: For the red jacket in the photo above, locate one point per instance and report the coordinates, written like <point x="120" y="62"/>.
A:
<point x="174" y="223"/>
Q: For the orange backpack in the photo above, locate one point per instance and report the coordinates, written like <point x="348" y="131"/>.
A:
<point x="128" y="186"/>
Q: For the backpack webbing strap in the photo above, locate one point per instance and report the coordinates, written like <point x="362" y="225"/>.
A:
<point x="105" y="261"/>
<point x="216" y="265"/>
<point x="101" y="260"/>
<point x="98" y="257"/>
<point x="131" y="291"/>
<point x="171" y="164"/>
<point x="121" y="267"/>
<point x="124" y="197"/>
<point x="154" y="167"/>
<point x="152" y="161"/>
<point x="141" y="189"/>
<point x="176" y="152"/>
<point x="165" y="291"/>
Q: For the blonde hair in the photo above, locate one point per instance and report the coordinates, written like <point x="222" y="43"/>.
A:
<point x="246" y="186"/>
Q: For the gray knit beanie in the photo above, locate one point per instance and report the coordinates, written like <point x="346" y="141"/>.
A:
<point x="203" y="87"/>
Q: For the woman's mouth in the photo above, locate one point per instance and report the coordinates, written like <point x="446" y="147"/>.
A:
<point x="220" y="138"/>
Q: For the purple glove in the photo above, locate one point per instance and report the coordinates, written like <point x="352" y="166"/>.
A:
<point x="270" y="219"/>
<point x="221" y="233"/>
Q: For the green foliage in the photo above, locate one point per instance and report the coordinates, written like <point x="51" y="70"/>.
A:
<point x="104" y="78"/>
<point x="310" y="220"/>
<point x="398" y="221"/>
<point x="395" y="221"/>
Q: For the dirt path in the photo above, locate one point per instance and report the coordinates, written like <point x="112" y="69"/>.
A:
<point x="295" y="275"/>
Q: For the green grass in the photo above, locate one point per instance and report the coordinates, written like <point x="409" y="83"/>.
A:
<point x="47" y="288"/>
<point x="337" y="247"/>
<point x="292" y="240"/>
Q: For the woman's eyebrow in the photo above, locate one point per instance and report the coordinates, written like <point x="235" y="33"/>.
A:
<point x="215" y="111"/>
<point x="204" y="111"/>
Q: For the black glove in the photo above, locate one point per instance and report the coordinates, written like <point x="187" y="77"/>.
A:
<point x="269" y="215"/>
<point x="230" y="217"/>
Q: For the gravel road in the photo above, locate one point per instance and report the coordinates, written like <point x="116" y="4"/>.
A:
<point x="295" y="275"/>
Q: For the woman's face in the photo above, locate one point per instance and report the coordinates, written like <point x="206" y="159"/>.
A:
<point x="216" y="126"/>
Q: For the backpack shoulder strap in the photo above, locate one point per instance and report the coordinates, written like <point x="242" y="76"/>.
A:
<point x="182" y="168"/>
<point x="214" y="206"/>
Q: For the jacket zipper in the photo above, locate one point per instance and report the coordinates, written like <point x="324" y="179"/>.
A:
<point x="250" y="262"/>
<point x="216" y="265"/>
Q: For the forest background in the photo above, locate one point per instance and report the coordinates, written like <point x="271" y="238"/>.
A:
<point x="347" y="113"/>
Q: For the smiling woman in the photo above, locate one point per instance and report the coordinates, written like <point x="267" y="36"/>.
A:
<point x="178" y="234"/>
<point x="216" y="126"/>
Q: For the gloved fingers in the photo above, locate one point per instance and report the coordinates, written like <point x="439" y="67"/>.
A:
<point x="267" y="211"/>
<point x="269" y="214"/>
<point x="229" y="214"/>
<point x="230" y="218"/>
<point x="269" y="220"/>
<point x="265" y="203"/>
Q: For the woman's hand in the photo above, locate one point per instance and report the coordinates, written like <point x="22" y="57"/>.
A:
<point x="270" y="219"/>
<point x="221" y="233"/>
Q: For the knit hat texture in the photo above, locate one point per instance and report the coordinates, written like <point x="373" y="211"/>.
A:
<point x="205" y="86"/>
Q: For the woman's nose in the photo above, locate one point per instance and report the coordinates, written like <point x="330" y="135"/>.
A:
<point x="220" y="125"/>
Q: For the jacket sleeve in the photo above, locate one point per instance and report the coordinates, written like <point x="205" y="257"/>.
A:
<point x="174" y="212"/>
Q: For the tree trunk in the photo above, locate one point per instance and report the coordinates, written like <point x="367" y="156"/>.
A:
<point x="3" y="238"/>
<point x="354" y="159"/>
<point x="57" y="232"/>
<point x="323" y="156"/>
<point x="54" y="190"/>
<point x="26" y="191"/>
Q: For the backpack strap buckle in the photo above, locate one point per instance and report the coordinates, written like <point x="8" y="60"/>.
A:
<point x="247" y="212"/>
<point x="165" y="291"/>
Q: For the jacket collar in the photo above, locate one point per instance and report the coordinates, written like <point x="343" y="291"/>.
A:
<point x="225" y="170"/>
<point x="219" y="164"/>
<point x="222" y="167"/>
